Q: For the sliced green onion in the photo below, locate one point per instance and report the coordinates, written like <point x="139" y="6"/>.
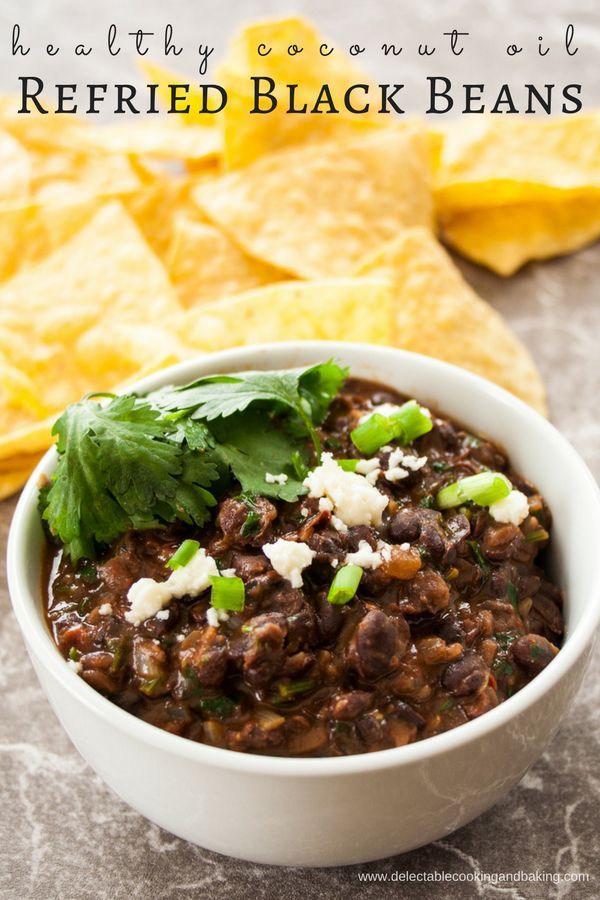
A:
<point x="410" y="422"/>
<point x="447" y="704"/>
<point x="183" y="554"/>
<point x="227" y="593"/>
<point x="288" y="690"/>
<point x="539" y="534"/>
<point x="484" y="489"/>
<point x="372" y="434"/>
<point x="150" y="686"/>
<point x="344" y="585"/>
<point x="348" y="465"/>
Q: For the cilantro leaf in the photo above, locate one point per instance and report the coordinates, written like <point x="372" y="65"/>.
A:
<point x="251" y="450"/>
<point x="305" y="393"/>
<point x="319" y="385"/>
<point x="117" y="469"/>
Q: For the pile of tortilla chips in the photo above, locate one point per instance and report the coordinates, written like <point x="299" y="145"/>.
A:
<point x="126" y="247"/>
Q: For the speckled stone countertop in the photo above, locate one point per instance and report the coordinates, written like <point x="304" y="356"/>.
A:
<point x="64" y="835"/>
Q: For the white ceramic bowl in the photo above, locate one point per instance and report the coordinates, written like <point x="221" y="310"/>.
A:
<point x="322" y="812"/>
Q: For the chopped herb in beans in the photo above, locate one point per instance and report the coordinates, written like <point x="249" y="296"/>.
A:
<point x="270" y="624"/>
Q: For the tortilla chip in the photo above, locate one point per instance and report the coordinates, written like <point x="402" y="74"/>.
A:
<point x="103" y="277"/>
<point x="204" y="264"/>
<point x="438" y="314"/>
<point x="26" y="441"/>
<point x="163" y="137"/>
<point x="496" y="161"/>
<point x="248" y="136"/>
<point x="291" y="310"/>
<point x="11" y="481"/>
<point x="71" y="177"/>
<point x="30" y="233"/>
<point x="61" y="171"/>
<point x="155" y="207"/>
<point x="163" y="77"/>
<point x="505" y="238"/>
<point x="15" y="170"/>
<point x="316" y="210"/>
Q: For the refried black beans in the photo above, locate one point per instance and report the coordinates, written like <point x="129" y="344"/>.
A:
<point x="458" y="616"/>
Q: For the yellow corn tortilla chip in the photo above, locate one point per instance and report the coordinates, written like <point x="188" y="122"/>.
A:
<point x="60" y="171"/>
<point x="316" y="210"/>
<point x="15" y="170"/>
<point x="25" y="441"/>
<point x="438" y="314"/>
<point x="163" y="77"/>
<point x="30" y="233"/>
<point x="103" y="278"/>
<point x="204" y="264"/>
<point x="495" y="161"/>
<point x="327" y="309"/>
<point x="504" y="238"/>
<point x="163" y="137"/>
<point x="247" y="136"/>
<point x="69" y="177"/>
<point x="156" y="207"/>
<point x="11" y="481"/>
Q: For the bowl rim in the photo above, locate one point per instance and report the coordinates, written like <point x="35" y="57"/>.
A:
<point x="37" y="637"/>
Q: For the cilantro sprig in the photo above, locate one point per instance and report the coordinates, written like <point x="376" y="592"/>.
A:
<point x="117" y="469"/>
<point x="142" y="462"/>
<point x="304" y="393"/>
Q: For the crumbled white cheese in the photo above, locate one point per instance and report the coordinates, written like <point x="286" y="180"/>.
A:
<point x="147" y="596"/>
<point x="214" y="616"/>
<point x="275" y="479"/>
<point x="373" y="475"/>
<point x="194" y="578"/>
<point x="75" y="665"/>
<point x="339" y="525"/>
<point x="180" y="638"/>
<point x="355" y="501"/>
<point x="395" y="458"/>
<point x="405" y="546"/>
<point x="304" y="511"/>
<point x="289" y="558"/>
<point x="326" y="505"/>
<point x="414" y="463"/>
<point x="364" y="466"/>
<point x="400" y="465"/>
<point x="162" y="614"/>
<point x="385" y="550"/>
<point x="228" y="573"/>
<point x="105" y="609"/>
<point x="365" y="557"/>
<point x="384" y="409"/>
<point x="513" y="509"/>
<point x="335" y="563"/>
<point x="397" y="473"/>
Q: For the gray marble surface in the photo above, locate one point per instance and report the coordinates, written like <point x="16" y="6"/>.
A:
<point x="63" y="834"/>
